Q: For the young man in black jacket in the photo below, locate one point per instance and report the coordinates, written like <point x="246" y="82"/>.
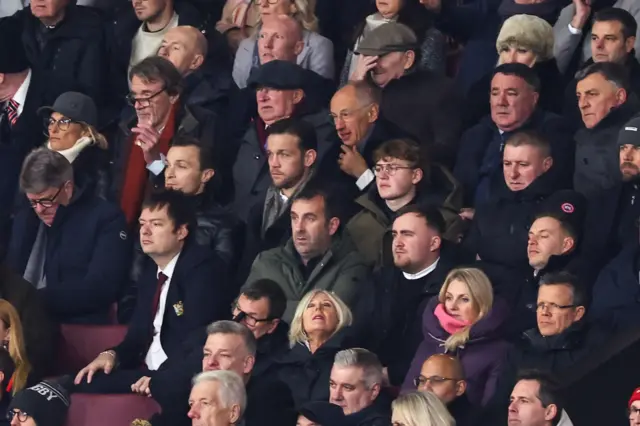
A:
<point x="181" y="291"/>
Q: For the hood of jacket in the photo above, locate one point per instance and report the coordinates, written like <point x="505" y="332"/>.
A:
<point x="486" y="328"/>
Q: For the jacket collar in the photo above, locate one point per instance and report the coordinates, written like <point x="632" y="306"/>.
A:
<point x="571" y="338"/>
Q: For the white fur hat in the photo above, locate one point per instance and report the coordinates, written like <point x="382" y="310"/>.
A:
<point x="530" y="32"/>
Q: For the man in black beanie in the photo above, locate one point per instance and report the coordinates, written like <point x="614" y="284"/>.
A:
<point x="20" y="127"/>
<point x="45" y="404"/>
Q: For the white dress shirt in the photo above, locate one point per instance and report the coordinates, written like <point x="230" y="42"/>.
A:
<point x="21" y="94"/>
<point x="156" y="355"/>
<point x="429" y="269"/>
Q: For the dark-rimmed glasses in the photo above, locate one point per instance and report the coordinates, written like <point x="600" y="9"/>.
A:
<point x="240" y="315"/>
<point x="420" y="381"/>
<point x="22" y="416"/>
<point x="145" y="101"/>
<point x="63" y="123"/>
<point x="46" y="202"/>
<point x="551" y="307"/>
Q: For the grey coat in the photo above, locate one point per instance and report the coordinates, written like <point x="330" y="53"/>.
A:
<point x="566" y="43"/>
<point x="317" y="56"/>
<point x="342" y="270"/>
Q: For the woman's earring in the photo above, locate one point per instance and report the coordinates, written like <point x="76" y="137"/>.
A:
<point x="5" y="345"/>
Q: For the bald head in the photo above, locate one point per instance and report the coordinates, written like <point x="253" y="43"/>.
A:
<point x="355" y="109"/>
<point x="443" y="375"/>
<point x="280" y="38"/>
<point x="185" y="47"/>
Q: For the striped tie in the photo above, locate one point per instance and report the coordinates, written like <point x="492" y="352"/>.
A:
<point x="12" y="111"/>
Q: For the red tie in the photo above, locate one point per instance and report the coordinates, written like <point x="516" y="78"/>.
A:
<point x="162" y="278"/>
<point x="12" y="111"/>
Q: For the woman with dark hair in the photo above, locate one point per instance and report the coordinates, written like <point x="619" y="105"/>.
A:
<point x="412" y="14"/>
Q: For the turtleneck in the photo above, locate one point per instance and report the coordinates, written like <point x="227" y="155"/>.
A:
<point x="429" y="269"/>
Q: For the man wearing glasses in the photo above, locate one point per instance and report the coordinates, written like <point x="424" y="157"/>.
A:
<point x="141" y="145"/>
<point x="69" y="244"/>
<point x="443" y="375"/>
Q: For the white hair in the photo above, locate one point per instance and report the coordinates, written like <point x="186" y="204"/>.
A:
<point x="361" y="358"/>
<point x="231" y="391"/>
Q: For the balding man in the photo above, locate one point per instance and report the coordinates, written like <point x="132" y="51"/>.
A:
<point x="185" y="47"/>
<point x="282" y="37"/>
<point x="355" y="112"/>
<point x="443" y="375"/>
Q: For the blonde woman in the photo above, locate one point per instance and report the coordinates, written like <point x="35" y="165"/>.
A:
<point x="71" y="130"/>
<point x="464" y="320"/>
<point x="319" y="329"/>
<point x="13" y="341"/>
<point x="420" y="409"/>
<point x="316" y="53"/>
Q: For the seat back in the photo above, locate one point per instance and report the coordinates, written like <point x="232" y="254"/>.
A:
<point x="109" y="410"/>
<point x="80" y="344"/>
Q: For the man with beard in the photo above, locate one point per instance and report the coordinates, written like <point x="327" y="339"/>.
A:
<point x="317" y="256"/>
<point x="613" y="213"/>
<point x="291" y="155"/>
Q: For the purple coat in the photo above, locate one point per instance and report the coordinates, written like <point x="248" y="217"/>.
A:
<point x="482" y="356"/>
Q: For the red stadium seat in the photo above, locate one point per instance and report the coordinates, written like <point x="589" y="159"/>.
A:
<point x="109" y="410"/>
<point x="80" y="344"/>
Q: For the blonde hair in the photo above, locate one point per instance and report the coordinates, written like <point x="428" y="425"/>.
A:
<point x="304" y="14"/>
<point x="527" y="31"/>
<point x="98" y="138"/>
<point x="481" y="293"/>
<point x="297" y="333"/>
<point x="11" y="320"/>
<point x="421" y="409"/>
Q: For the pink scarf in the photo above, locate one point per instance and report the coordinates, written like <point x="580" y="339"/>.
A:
<point x="450" y="324"/>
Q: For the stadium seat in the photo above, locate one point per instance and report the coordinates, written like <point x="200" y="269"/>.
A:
<point x="80" y="344"/>
<point x="109" y="410"/>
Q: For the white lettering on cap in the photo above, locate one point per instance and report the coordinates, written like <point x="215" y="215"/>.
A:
<point x="632" y="129"/>
<point x="48" y="392"/>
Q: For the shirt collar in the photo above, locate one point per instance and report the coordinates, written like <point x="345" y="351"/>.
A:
<point x="21" y="94"/>
<point x="422" y="273"/>
<point x="168" y="270"/>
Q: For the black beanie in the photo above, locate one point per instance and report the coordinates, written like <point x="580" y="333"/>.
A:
<point x="12" y="55"/>
<point x="46" y="402"/>
<point x="567" y="206"/>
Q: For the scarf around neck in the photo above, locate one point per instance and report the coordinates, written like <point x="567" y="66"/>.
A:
<point x="72" y="153"/>
<point x="450" y="324"/>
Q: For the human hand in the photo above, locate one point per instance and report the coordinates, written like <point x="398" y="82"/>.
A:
<point x="104" y="362"/>
<point x="467" y="213"/>
<point x="583" y="11"/>
<point x="364" y="65"/>
<point x="142" y="386"/>
<point x="351" y="161"/>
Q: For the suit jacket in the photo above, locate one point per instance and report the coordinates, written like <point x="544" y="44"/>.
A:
<point x="317" y="56"/>
<point x="196" y="297"/>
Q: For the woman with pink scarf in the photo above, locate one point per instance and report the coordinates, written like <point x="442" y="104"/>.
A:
<point x="465" y="320"/>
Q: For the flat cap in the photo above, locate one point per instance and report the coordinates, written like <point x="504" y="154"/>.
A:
<point x="387" y="38"/>
<point x="277" y="74"/>
<point x="630" y="133"/>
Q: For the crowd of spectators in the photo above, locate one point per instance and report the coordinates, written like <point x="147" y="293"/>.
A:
<point x="323" y="213"/>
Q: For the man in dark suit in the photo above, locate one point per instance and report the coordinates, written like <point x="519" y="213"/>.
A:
<point x="20" y="127"/>
<point x="68" y="243"/>
<point x="181" y="291"/>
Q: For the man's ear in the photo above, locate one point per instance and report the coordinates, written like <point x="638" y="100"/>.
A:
<point x="207" y="175"/>
<point x="551" y="412"/>
<point x="621" y="96"/>
<point x="298" y="95"/>
<point x="375" y="391"/>
<point x="249" y="362"/>
<point x="410" y="56"/>
<point x="461" y="387"/>
<point x="436" y="242"/>
<point x="234" y="414"/>
<point x="197" y="62"/>
<point x="334" y="224"/>
<point x="298" y="47"/>
<point x="629" y="44"/>
<point x="568" y="243"/>
<point x="310" y="157"/>
<point x="374" y="113"/>
<point x="547" y="163"/>
<point x="183" y="232"/>
<point x="418" y="174"/>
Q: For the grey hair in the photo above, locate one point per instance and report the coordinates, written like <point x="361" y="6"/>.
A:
<point x="231" y="391"/>
<point x="615" y="74"/>
<point x="366" y="92"/>
<point x="43" y="169"/>
<point x="232" y="327"/>
<point x="362" y="358"/>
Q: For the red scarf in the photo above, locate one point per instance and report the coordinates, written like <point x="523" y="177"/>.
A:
<point x="450" y="324"/>
<point x="136" y="180"/>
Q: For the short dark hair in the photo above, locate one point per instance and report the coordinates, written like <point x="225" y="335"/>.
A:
<point x="311" y="191"/>
<point x="205" y="155"/>
<point x="7" y="366"/>
<point x="269" y="289"/>
<point x="565" y="225"/>
<point x="157" y="68"/>
<point x="571" y="281"/>
<point x="529" y="75"/>
<point x="301" y="129"/>
<point x="548" y="392"/>
<point x="180" y="207"/>
<point x="431" y="214"/>
<point x="629" y="24"/>
<point x="402" y="149"/>
<point x="530" y="138"/>
<point x="615" y="74"/>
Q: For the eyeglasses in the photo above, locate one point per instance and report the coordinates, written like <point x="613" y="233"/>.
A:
<point x="633" y="411"/>
<point x="22" y="416"/>
<point x="346" y="115"/>
<point x="248" y="319"/>
<point x="420" y="381"/>
<point x="258" y="2"/>
<point x="144" y="102"/>
<point x="63" y="123"/>
<point x="389" y="169"/>
<point x="551" y="307"/>
<point x="46" y="202"/>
